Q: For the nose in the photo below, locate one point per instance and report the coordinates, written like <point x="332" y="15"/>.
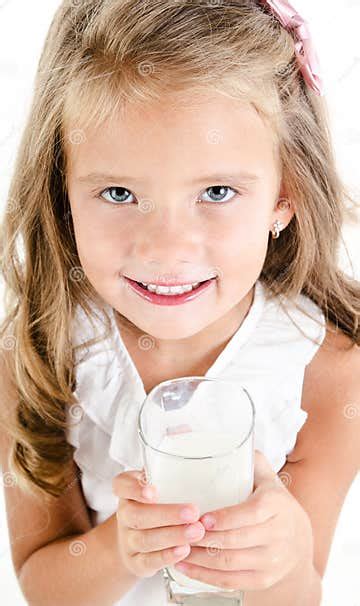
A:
<point x="167" y="237"/>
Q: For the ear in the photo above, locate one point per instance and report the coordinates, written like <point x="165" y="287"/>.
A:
<point x="284" y="209"/>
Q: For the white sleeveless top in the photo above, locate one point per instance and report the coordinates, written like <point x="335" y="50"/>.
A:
<point x="268" y="352"/>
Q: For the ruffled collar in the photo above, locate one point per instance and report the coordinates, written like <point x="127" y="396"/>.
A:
<point x="238" y="340"/>
<point x="133" y="393"/>
<point x="111" y="391"/>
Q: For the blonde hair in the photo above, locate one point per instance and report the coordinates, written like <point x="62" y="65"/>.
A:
<point x="98" y="56"/>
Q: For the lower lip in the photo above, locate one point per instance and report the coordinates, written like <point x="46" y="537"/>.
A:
<point x="152" y="297"/>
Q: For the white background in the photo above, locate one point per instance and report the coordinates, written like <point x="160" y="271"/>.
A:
<point x="23" y="26"/>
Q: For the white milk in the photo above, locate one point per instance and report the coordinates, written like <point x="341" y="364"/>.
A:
<point x="210" y="483"/>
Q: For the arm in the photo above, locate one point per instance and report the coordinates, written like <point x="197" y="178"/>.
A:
<point x="81" y="570"/>
<point x="58" y="557"/>
<point x="274" y="546"/>
<point x="323" y="465"/>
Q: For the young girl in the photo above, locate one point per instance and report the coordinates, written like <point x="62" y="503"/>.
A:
<point x="174" y="143"/>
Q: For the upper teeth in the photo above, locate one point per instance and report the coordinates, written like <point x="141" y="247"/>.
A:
<point x="170" y="290"/>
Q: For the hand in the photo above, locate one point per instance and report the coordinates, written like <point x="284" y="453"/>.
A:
<point x="148" y="532"/>
<point x="255" y="544"/>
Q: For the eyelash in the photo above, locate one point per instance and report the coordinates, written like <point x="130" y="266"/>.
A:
<point x="219" y="203"/>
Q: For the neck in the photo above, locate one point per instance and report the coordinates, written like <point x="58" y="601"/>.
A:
<point x="203" y="343"/>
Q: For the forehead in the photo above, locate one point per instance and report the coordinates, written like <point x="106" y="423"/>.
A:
<point x="186" y="132"/>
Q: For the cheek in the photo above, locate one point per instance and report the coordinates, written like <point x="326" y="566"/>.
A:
<point x="244" y="239"/>
<point x="101" y="241"/>
<point x="241" y="252"/>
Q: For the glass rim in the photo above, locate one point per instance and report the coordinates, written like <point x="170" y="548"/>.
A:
<point x="177" y="456"/>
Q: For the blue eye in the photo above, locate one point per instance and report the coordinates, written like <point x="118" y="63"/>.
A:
<point x="219" y="197"/>
<point x="222" y="188"/>
<point x="111" y="189"/>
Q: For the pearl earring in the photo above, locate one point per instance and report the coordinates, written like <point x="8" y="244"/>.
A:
<point x="283" y="204"/>
<point x="277" y="227"/>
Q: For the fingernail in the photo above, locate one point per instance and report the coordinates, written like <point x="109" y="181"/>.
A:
<point x="148" y="492"/>
<point x="193" y="531"/>
<point x="181" y="550"/>
<point x="187" y="514"/>
<point x="208" y="521"/>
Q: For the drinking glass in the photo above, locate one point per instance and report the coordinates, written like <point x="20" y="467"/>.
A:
<point x="197" y="440"/>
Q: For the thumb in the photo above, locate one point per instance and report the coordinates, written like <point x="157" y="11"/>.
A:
<point x="263" y="472"/>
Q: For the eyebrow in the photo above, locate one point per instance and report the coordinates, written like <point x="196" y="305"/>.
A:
<point x="96" y="177"/>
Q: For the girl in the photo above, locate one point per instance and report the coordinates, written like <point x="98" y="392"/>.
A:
<point x="174" y="143"/>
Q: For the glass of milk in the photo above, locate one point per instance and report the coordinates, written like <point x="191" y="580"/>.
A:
<point x="197" y="439"/>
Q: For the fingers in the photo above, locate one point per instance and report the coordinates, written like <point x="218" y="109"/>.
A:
<point x="140" y="516"/>
<point x="154" y="539"/>
<point x="131" y="484"/>
<point x="151" y="535"/>
<point x="134" y="511"/>
<point x="254" y="558"/>
<point x="237" y="538"/>
<point x="147" y="564"/>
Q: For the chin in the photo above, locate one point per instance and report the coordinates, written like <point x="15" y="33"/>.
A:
<point x="167" y="330"/>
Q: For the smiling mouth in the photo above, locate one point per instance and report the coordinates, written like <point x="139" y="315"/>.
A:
<point x="198" y="285"/>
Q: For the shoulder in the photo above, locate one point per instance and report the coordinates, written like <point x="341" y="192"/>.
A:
<point x="336" y="346"/>
<point x="331" y="396"/>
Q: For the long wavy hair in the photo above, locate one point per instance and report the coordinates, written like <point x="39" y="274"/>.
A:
<point x="99" y="55"/>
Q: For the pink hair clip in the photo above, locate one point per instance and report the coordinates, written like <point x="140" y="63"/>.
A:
<point x="304" y="48"/>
